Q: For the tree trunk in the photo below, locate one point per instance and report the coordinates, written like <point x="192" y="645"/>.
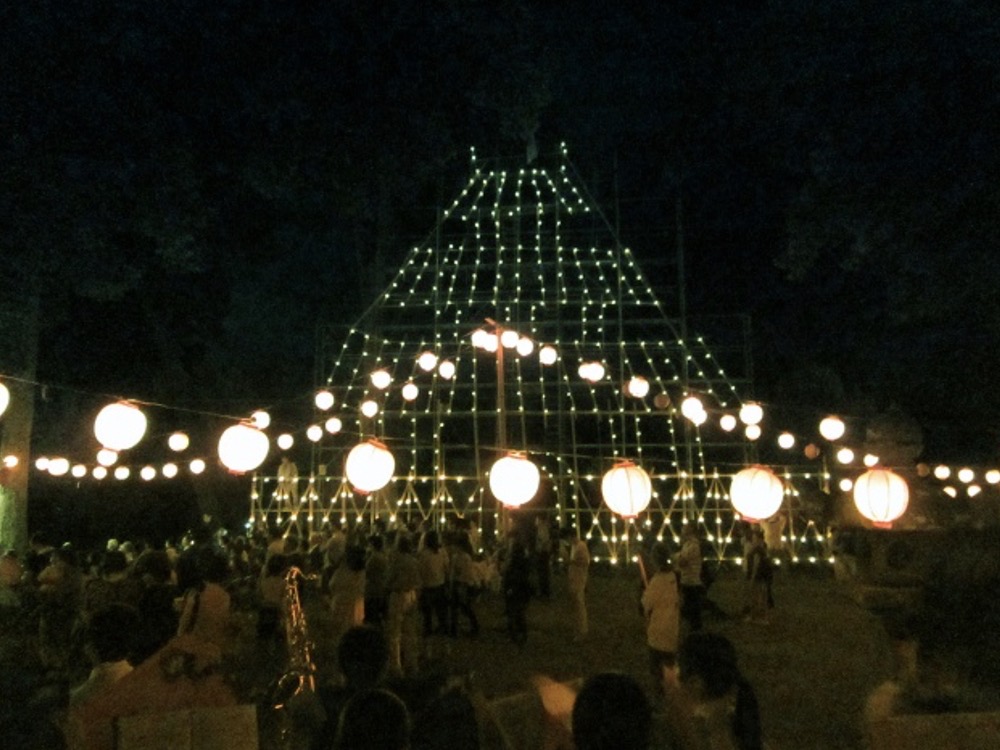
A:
<point x="19" y="347"/>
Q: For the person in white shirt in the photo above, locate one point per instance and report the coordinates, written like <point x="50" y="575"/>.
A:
<point x="661" y="605"/>
<point x="577" y="573"/>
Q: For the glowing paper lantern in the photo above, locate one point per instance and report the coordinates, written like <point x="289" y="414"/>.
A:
<point x="480" y="338"/>
<point x="591" y="371"/>
<point x="547" y="355"/>
<point x="427" y="361"/>
<point x="314" y="432"/>
<point x="120" y="426"/>
<point x="661" y="401"/>
<point x="148" y="473"/>
<point x="881" y="495"/>
<point x="973" y="490"/>
<point x="509" y="339"/>
<point x="514" y="479"/>
<point x="950" y="491"/>
<point x="410" y="391"/>
<point x="260" y="419"/>
<point x="4" y="398"/>
<point x="381" y="379"/>
<point x="525" y="346"/>
<point x="10" y="461"/>
<point x="845" y="455"/>
<point x="786" y="440"/>
<point x="694" y="410"/>
<point x="197" y="466"/>
<point x="752" y="431"/>
<point x="178" y="441"/>
<point x="751" y="413"/>
<point x="79" y="471"/>
<point x="756" y="493"/>
<point x="107" y="457"/>
<point x="58" y="466"/>
<point x="42" y="463"/>
<point x="845" y="484"/>
<point x="966" y="475"/>
<point x="285" y="441"/>
<point x="369" y="466"/>
<point x="334" y="425"/>
<point x="169" y="470"/>
<point x="993" y="476"/>
<point x="122" y="473"/>
<point x="832" y="428"/>
<point x="638" y="387"/>
<point x="446" y="369"/>
<point x="811" y="451"/>
<point x="243" y="448"/>
<point x="369" y="408"/>
<point x="942" y="472"/>
<point x="727" y="422"/>
<point x="627" y="489"/>
<point x="323" y="400"/>
<point x="870" y="460"/>
<point x="99" y="472"/>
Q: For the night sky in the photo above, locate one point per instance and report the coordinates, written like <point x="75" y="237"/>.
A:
<point x="189" y="189"/>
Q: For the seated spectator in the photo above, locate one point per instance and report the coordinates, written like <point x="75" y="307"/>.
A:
<point x="363" y="660"/>
<point x="611" y="712"/>
<point x="373" y="720"/>
<point x="109" y="637"/>
<point x="709" y="702"/>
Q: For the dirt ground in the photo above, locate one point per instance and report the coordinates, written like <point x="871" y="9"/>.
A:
<point x="812" y="665"/>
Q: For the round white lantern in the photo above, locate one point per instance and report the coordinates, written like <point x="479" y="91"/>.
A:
<point x="10" y="461"/>
<point x="446" y="369"/>
<point x="197" y="466"/>
<point x="966" y="475"/>
<point x="638" y="386"/>
<point x="148" y="473"/>
<point x="334" y="425"/>
<point x="4" y="398"/>
<point x="42" y="463"/>
<point x="369" y="408"/>
<point x="751" y="413"/>
<point x="169" y="470"/>
<point x="870" y="460"/>
<point x="509" y="339"/>
<point x="627" y="489"/>
<point x="756" y="493"/>
<point x="58" y="466"/>
<point x="178" y="441"/>
<point x="752" y="431"/>
<point x="122" y="473"/>
<point x="323" y="400"/>
<point x="832" y="428"/>
<point x="410" y="391"/>
<point x="727" y="422"/>
<point x="993" y="476"/>
<point x="120" y="426"/>
<point x="845" y="456"/>
<point x="591" y="371"/>
<point x="243" y="448"/>
<point x="314" y="432"/>
<point x="881" y="495"/>
<point x="381" y="379"/>
<point x="514" y="479"/>
<point x="525" y="346"/>
<point x="79" y="471"/>
<point x="285" y="441"/>
<point x="369" y="466"/>
<point x="427" y="361"/>
<point x="260" y="419"/>
<point x="480" y="338"/>
<point x="942" y="472"/>
<point x="547" y="355"/>
<point x="99" y="472"/>
<point x="107" y="457"/>
<point x="786" y="440"/>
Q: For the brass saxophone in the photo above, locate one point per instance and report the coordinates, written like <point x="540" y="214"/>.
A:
<point x="295" y="692"/>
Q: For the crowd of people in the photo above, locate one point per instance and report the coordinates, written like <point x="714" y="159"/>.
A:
<point x="117" y="629"/>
